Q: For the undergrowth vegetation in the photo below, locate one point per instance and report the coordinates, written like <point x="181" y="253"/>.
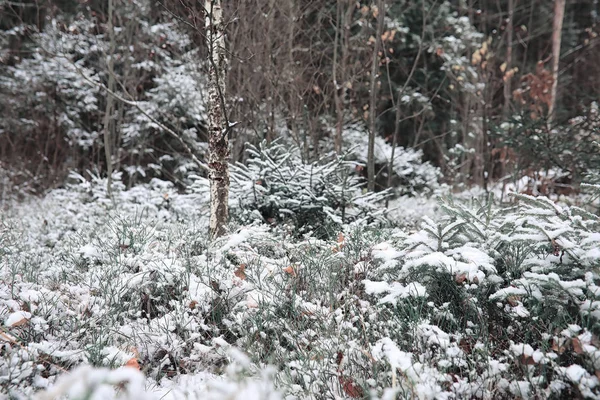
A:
<point x="482" y="301"/>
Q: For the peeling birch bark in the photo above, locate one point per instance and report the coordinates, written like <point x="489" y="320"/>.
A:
<point x="218" y="143"/>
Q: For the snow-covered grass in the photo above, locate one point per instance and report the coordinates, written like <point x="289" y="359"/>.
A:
<point x="128" y="299"/>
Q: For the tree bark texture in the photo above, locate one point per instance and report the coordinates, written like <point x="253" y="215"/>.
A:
<point x="218" y="143"/>
<point x="373" y="98"/>
<point x="557" y="23"/>
<point x="109" y="101"/>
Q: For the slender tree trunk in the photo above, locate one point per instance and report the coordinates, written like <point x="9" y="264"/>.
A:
<point x="507" y="74"/>
<point x="394" y="142"/>
<point x="271" y="63"/>
<point x="507" y="79"/>
<point x="373" y="94"/>
<point x="109" y="100"/>
<point x="557" y="23"/>
<point x="337" y="88"/>
<point x="218" y="143"/>
<point x="341" y="81"/>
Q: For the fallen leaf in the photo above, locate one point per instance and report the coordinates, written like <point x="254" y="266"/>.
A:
<point x="133" y="363"/>
<point x="557" y="348"/>
<point x="21" y="322"/>
<point x="526" y="360"/>
<point x="290" y="270"/>
<point x="577" y="346"/>
<point x="351" y="388"/>
<point x="339" y="357"/>
<point x="513" y="301"/>
<point x="465" y="346"/>
<point x="193" y="304"/>
<point x="340" y="243"/>
<point x="460" y="278"/>
<point x="240" y="272"/>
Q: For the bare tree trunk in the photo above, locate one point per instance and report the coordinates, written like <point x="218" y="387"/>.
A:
<point x="557" y="23"/>
<point x="337" y="88"/>
<point x="394" y="141"/>
<point x="271" y="78"/>
<point x="373" y="94"/>
<point x="109" y="100"/>
<point x="218" y="143"/>
<point x="340" y="81"/>
<point x="507" y="74"/>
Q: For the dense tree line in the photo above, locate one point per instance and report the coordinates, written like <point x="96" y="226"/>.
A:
<point x="483" y="88"/>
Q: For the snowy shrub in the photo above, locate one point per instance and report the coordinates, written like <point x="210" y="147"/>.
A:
<point x="52" y="97"/>
<point x="276" y="186"/>
<point x="479" y="302"/>
<point x="411" y="174"/>
<point x="507" y="291"/>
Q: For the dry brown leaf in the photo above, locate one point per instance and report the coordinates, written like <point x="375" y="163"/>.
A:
<point x="240" y="272"/>
<point x="8" y="338"/>
<point x="460" y="278"/>
<point x="559" y="349"/>
<point x="21" y="322"/>
<point x="193" y="304"/>
<point x="290" y="270"/>
<point x="351" y="388"/>
<point x="577" y="346"/>
<point x="375" y="11"/>
<point x="133" y="363"/>
<point x="513" y="300"/>
<point x="465" y="346"/>
<point x="526" y="360"/>
<point x="509" y="74"/>
<point x="340" y="243"/>
<point x="388" y="35"/>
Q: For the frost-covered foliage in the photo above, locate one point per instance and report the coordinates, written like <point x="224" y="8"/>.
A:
<point x="507" y="291"/>
<point x="276" y="186"/>
<point x="482" y="302"/>
<point x="52" y="98"/>
<point x="53" y="76"/>
<point x="411" y="174"/>
<point x="570" y="148"/>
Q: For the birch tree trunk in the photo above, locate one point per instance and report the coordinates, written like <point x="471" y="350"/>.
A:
<point x="557" y="23"/>
<point x="218" y="143"/>
<point x="373" y="102"/>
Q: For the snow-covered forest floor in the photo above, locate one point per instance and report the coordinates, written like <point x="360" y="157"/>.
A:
<point x="453" y="299"/>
